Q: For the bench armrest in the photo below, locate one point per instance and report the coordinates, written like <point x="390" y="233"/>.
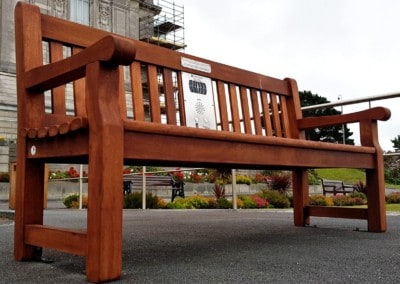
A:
<point x="113" y="50"/>
<point x="376" y="113"/>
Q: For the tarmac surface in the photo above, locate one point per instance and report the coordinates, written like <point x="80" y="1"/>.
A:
<point x="222" y="246"/>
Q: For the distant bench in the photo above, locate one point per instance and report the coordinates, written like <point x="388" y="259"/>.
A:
<point x="136" y="181"/>
<point x="336" y="186"/>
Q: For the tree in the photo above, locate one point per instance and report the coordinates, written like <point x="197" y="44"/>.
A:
<point x="333" y="134"/>
<point x="396" y="143"/>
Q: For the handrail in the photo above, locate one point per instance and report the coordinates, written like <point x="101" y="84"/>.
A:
<point x="353" y="101"/>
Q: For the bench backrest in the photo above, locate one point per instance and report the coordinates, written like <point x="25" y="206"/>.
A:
<point x="245" y="102"/>
<point x="151" y="180"/>
<point x="332" y="184"/>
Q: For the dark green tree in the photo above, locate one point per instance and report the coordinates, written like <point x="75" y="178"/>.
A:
<point x="332" y="134"/>
<point x="396" y="143"/>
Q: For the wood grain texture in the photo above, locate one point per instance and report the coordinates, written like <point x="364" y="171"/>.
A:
<point x="260" y="125"/>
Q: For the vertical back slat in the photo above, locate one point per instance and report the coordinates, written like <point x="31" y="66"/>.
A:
<point x="79" y="92"/>
<point x="223" y="109"/>
<point x="234" y="108"/>
<point x="245" y="110"/>
<point x="267" y="115"/>
<point x="121" y="95"/>
<point x="256" y="112"/>
<point x="275" y="115"/>
<point x="285" y="118"/>
<point x="152" y="84"/>
<point x="181" y="100"/>
<point x="137" y="91"/>
<point x="57" y="94"/>
<point x="170" y="108"/>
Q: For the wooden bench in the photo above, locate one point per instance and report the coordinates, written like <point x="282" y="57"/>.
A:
<point x="336" y="186"/>
<point x="136" y="181"/>
<point x="139" y="114"/>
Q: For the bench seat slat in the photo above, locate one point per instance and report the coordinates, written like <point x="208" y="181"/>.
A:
<point x="209" y="152"/>
<point x="172" y="130"/>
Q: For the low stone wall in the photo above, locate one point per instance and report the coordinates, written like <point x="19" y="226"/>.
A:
<point x="4" y="156"/>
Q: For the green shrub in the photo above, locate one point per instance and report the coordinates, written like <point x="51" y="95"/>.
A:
<point x="212" y="203"/>
<point x="313" y="178"/>
<point x="134" y="201"/>
<point x="358" y="194"/>
<point x="275" y="198"/>
<point x="71" y="198"/>
<point x="321" y="200"/>
<point x="197" y="202"/>
<point x="240" y="179"/>
<point x="192" y="202"/>
<point x="72" y="201"/>
<point x="223" y="203"/>
<point x="178" y="203"/>
<point x="392" y="169"/>
<point x="343" y="200"/>
<point x="239" y="203"/>
<point x="393" y="197"/>
<point x="247" y="201"/>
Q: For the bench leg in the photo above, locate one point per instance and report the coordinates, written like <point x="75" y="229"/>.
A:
<point x="106" y="136"/>
<point x="29" y="203"/>
<point x="300" y="197"/>
<point x="375" y="179"/>
<point x="376" y="200"/>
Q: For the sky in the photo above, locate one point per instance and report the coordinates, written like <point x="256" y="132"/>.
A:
<point x="331" y="47"/>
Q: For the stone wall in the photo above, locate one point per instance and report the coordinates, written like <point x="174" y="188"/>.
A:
<point x="4" y="158"/>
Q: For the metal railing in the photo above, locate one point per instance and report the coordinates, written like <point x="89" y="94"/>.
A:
<point x="368" y="99"/>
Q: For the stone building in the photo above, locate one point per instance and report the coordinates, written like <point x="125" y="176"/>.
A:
<point x="157" y="23"/>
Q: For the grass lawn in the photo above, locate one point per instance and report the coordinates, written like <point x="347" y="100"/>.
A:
<point x="389" y="207"/>
<point x="393" y="207"/>
<point x="349" y="176"/>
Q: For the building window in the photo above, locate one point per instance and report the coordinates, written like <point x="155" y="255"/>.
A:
<point x="80" y="11"/>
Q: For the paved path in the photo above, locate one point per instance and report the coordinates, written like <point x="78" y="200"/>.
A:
<point x="223" y="246"/>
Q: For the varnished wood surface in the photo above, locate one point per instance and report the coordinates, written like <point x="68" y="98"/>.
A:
<point x="139" y="117"/>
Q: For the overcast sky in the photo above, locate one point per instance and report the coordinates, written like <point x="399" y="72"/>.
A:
<point x="331" y="47"/>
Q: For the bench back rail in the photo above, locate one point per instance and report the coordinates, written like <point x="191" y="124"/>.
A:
<point x="250" y="103"/>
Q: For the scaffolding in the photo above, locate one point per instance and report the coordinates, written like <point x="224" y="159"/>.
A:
<point x="166" y="28"/>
